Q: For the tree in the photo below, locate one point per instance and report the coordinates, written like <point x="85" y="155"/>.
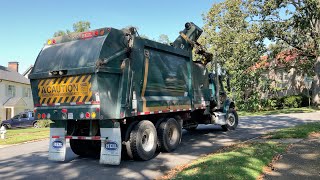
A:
<point x="59" y="33"/>
<point x="236" y="44"/>
<point x="80" y="26"/>
<point x="144" y="36"/>
<point x="299" y="28"/>
<point x="163" y="38"/>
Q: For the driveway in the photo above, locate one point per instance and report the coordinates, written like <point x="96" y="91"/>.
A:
<point x="30" y="160"/>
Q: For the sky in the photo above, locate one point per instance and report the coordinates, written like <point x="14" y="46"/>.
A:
<point x="26" y="25"/>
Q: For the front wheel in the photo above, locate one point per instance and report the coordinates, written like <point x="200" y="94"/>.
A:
<point x="232" y="121"/>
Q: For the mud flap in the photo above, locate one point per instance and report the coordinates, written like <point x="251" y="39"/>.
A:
<point x="110" y="146"/>
<point x="57" y="146"/>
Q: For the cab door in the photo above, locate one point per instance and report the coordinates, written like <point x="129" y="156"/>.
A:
<point x="24" y="119"/>
<point x="16" y="121"/>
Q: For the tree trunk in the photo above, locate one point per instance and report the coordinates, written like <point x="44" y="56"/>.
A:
<point x="316" y="84"/>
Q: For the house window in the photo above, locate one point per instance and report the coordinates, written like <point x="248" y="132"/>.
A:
<point x="27" y="92"/>
<point x="11" y="91"/>
<point x="285" y="77"/>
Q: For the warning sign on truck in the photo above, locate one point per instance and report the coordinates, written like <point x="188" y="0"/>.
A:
<point x="65" y="89"/>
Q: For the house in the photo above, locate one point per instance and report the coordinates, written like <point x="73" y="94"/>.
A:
<point x="28" y="71"/>
<point x="15" y="91"/>
<point x="284" y="74"/>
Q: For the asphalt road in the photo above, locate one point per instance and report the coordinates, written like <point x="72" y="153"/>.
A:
<point x="30" y="160"/>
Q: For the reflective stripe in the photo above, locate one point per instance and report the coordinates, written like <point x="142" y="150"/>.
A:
<point x="163" y="111"/>
<point x="81" y="137"/>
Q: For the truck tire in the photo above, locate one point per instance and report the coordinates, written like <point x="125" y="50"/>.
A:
<point x="169" y="135"/>
<point x="35" y="125"/>
<point x="232" y="121"/>
<point x="77" y="146"/>
<point x="143" y="140"/>
<point x="85" y="148"/>
<point x="6" y="126"/>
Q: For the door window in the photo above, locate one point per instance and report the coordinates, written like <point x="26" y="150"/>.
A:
<point x="16" y="116"/>
<point x="24" y="116"/>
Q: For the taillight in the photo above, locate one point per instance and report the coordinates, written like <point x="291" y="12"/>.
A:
<point x="39" y="116"/>
<point x="86" y="35"/>
<point x="43" y="115"/>
<point x="93" y="115"/>
<point x="96" y="33"/>
<point x="48" y="115"/>
<point x="51" y="41"/>
<point x="64" y="110"/>
<point x="87" y="115"/>
<point x="81" y="115"/>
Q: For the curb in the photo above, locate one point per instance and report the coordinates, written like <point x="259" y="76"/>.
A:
<point x="9" y="145"/>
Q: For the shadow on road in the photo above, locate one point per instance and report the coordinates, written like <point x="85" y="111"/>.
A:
<point x="26" y="162"/>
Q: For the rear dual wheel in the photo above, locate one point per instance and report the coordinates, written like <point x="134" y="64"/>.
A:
<point x="169" y="135"/>
<point x="85" y="148"/>
<point x="142" y="144"/>
<point x="144" y="138"/>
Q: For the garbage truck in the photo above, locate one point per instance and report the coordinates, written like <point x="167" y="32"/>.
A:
<point x="112" y="93"/>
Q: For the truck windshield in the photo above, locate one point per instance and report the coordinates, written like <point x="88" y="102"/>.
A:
<point x="69" y="55"/>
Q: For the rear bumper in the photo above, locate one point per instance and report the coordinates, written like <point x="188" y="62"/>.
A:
<point x="68" y="112"/>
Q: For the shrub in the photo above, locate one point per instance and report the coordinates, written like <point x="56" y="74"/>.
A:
<point x="305" y="100"/>
<point x="275" y="103"/>
<point x="44" y="123"/>
<point x="294" y="101"/>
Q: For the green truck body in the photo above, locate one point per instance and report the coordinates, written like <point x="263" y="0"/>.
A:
<point x="114" y="79"/>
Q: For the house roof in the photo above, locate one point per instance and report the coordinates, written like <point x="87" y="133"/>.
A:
<point x="14" y="101"/>
<point x="28" y="70"/>
<point x="283" y="58"/>
<point x="7" y="74"/>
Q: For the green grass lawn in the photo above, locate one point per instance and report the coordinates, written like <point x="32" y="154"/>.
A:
<point x="299" y="131"/>
<point x="19" y="135"/>
<point x="278" y="111"/>
<point x="244" y="162"/>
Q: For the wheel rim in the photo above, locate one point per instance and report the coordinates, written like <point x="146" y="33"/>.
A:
<point x="231" y="120"/>
<point x="147" y="140"/>
<point x="172" y="134"/>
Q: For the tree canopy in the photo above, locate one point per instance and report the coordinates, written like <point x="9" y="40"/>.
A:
<point x="235" y="43"/>
<point x="235" y="31"/>
<point x="296" y="24"/>
<point x="80" y="26"/>
<point x="163" y="38"/>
